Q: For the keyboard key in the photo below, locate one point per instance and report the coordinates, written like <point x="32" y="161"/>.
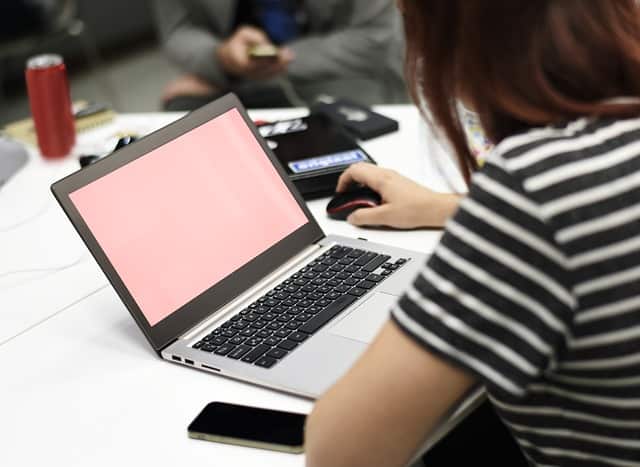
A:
<point x="327" y="275"/>
<point x="259" y="324"/>
<point x="239" y="352"/>
<point x="351" y="281"/>
<point x="323" y="303"/>
<point x="276" y="353"/>
<point x="310" y="288"/>
<point x="304" y="317"/>
<point x="271" y="302"/>
<point x="293" y="325"/>
<point x="261" y="310"/>
<point x="366" y="285"/>
<point x="355" y="253"/>
<point x="343" y="275"/>
<point x="359" y="275"/>
<point x="287" y="345"/>
<point x="236" y="340"/>
<point x="218" y="340"/>
<point x="304" y="303"/>
<point x="269" y="316"/>
<point x="329" y="261"/>
<point x="320" y="268"/>
<point x="263" y="334"/>
<point x="224" y="349"/>
<point x="284" y="318"/>
<point x="240" y="325"/>
<point x="208" y="348"/>
<point x="333" y="295"/>
<point x="364" y="259"/>
<point x="357" y="292"/>
<point x="313" y="309"/>
<point x="282" y="295"/>
<point x="272" y="341"/>
<point x="334" y="282"/>
<point x="256" y="353"/>
<point x="340" y="251"/>
<point x="345" y="261"/>
<point x="251" y="317"/>
<point x="301" y="282"/>
<point x="374" y="277"/>
<point x="289" y="302"/>
<point x="235" y="318"/>
<point x="253" y="341"/>
<point x="337" y="268"/>
<point x="316" y="296"/>
<point x="298" y="336"/>
<point x="278" y="309"/>
<point x="342" y="288"/>
<point x="401" y="260"/>
<point x="393" y="267"/>
<point x="386" y="272"/>
<point x="266" y="362"/>
<point x="300" y="295"/>
<point x="282" y="333"/>
<point x="318" y="281"/>
<point x="375" y="263"/>
<point x="228" y="332"/>
<point x="324" y="316"/>
<point x="274" y="326"/>
<point x="198" y="344"/>
<point x="352" y="269"/>
<point x="294" y="310"/>
<point x="247" y="332"/>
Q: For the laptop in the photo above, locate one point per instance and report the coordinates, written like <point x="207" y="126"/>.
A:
<point x="224" y="269"/>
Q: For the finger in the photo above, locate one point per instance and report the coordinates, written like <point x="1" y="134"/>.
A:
<point x="286" y="55"/>
<point x="370" y="216"/>
<point x="253" y="35"/>
<point x="363" y="173"/>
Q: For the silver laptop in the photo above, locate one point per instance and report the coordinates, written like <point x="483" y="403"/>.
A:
<point x="219" y="261"/>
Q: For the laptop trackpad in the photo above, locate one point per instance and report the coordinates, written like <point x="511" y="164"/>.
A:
<point x="364" y="322"/>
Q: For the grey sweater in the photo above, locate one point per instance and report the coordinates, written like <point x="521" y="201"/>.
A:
<point x="347" y="39"/>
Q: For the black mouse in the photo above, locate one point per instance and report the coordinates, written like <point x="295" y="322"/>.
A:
<point x="355" y="197"/>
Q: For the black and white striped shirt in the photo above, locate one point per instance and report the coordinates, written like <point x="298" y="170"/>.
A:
<point x="535" y="288"/>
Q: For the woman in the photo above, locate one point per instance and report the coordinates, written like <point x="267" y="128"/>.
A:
<point x="534" y="290"/>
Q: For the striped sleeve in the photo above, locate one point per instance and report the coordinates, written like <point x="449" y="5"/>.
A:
<point x="495" y="297"/>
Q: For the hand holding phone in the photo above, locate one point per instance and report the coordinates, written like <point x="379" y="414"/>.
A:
<point x="264" y="51"/>
<point x="250" y="426"/>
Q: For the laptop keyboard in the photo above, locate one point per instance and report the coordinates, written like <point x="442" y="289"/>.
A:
<point x="276" y="324"/>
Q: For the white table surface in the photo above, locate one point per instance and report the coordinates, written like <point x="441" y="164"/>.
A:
<point x="80" y="384"/>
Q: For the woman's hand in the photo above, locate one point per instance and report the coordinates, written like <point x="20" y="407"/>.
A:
<point x="405" y="204"/>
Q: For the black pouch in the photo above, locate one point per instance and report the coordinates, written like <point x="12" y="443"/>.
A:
<point x="313" y="151"/>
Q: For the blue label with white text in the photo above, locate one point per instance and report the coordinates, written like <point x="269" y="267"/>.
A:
<point x="325" y="162"/>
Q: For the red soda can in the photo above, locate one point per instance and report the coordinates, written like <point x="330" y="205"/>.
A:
<point x="50" y="104"/>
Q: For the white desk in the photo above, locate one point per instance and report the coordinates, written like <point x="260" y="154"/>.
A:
<point x="80" y="385"/>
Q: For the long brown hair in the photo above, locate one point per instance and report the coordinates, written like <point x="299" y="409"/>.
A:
<point x="521" y="63"/>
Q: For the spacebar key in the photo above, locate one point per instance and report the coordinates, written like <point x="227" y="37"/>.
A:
<point x="327" y="314"/>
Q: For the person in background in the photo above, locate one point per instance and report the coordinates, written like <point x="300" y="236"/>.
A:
<point x="335" y="47"/>
<point x="534" y="289"/>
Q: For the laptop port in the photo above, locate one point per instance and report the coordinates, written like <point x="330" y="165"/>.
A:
<point x="190" y="362"/>
<point x="211" y="368"/>
<point x="176" y="358"/>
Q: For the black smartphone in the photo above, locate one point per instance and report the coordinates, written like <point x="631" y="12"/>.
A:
<point x="250" y="426"/>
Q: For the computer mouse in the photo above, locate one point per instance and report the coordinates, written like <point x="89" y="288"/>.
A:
<point x="355" y="197"/>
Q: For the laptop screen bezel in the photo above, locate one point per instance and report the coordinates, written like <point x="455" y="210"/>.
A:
<point x="199" y="308"/>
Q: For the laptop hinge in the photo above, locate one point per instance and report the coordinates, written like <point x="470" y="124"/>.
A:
<point x="305" y="256"/>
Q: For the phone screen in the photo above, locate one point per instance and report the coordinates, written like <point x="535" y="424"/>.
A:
<point x="257" y="427"/>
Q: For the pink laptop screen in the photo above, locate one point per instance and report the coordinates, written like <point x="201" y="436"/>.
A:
<point x="179" y="219"/>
